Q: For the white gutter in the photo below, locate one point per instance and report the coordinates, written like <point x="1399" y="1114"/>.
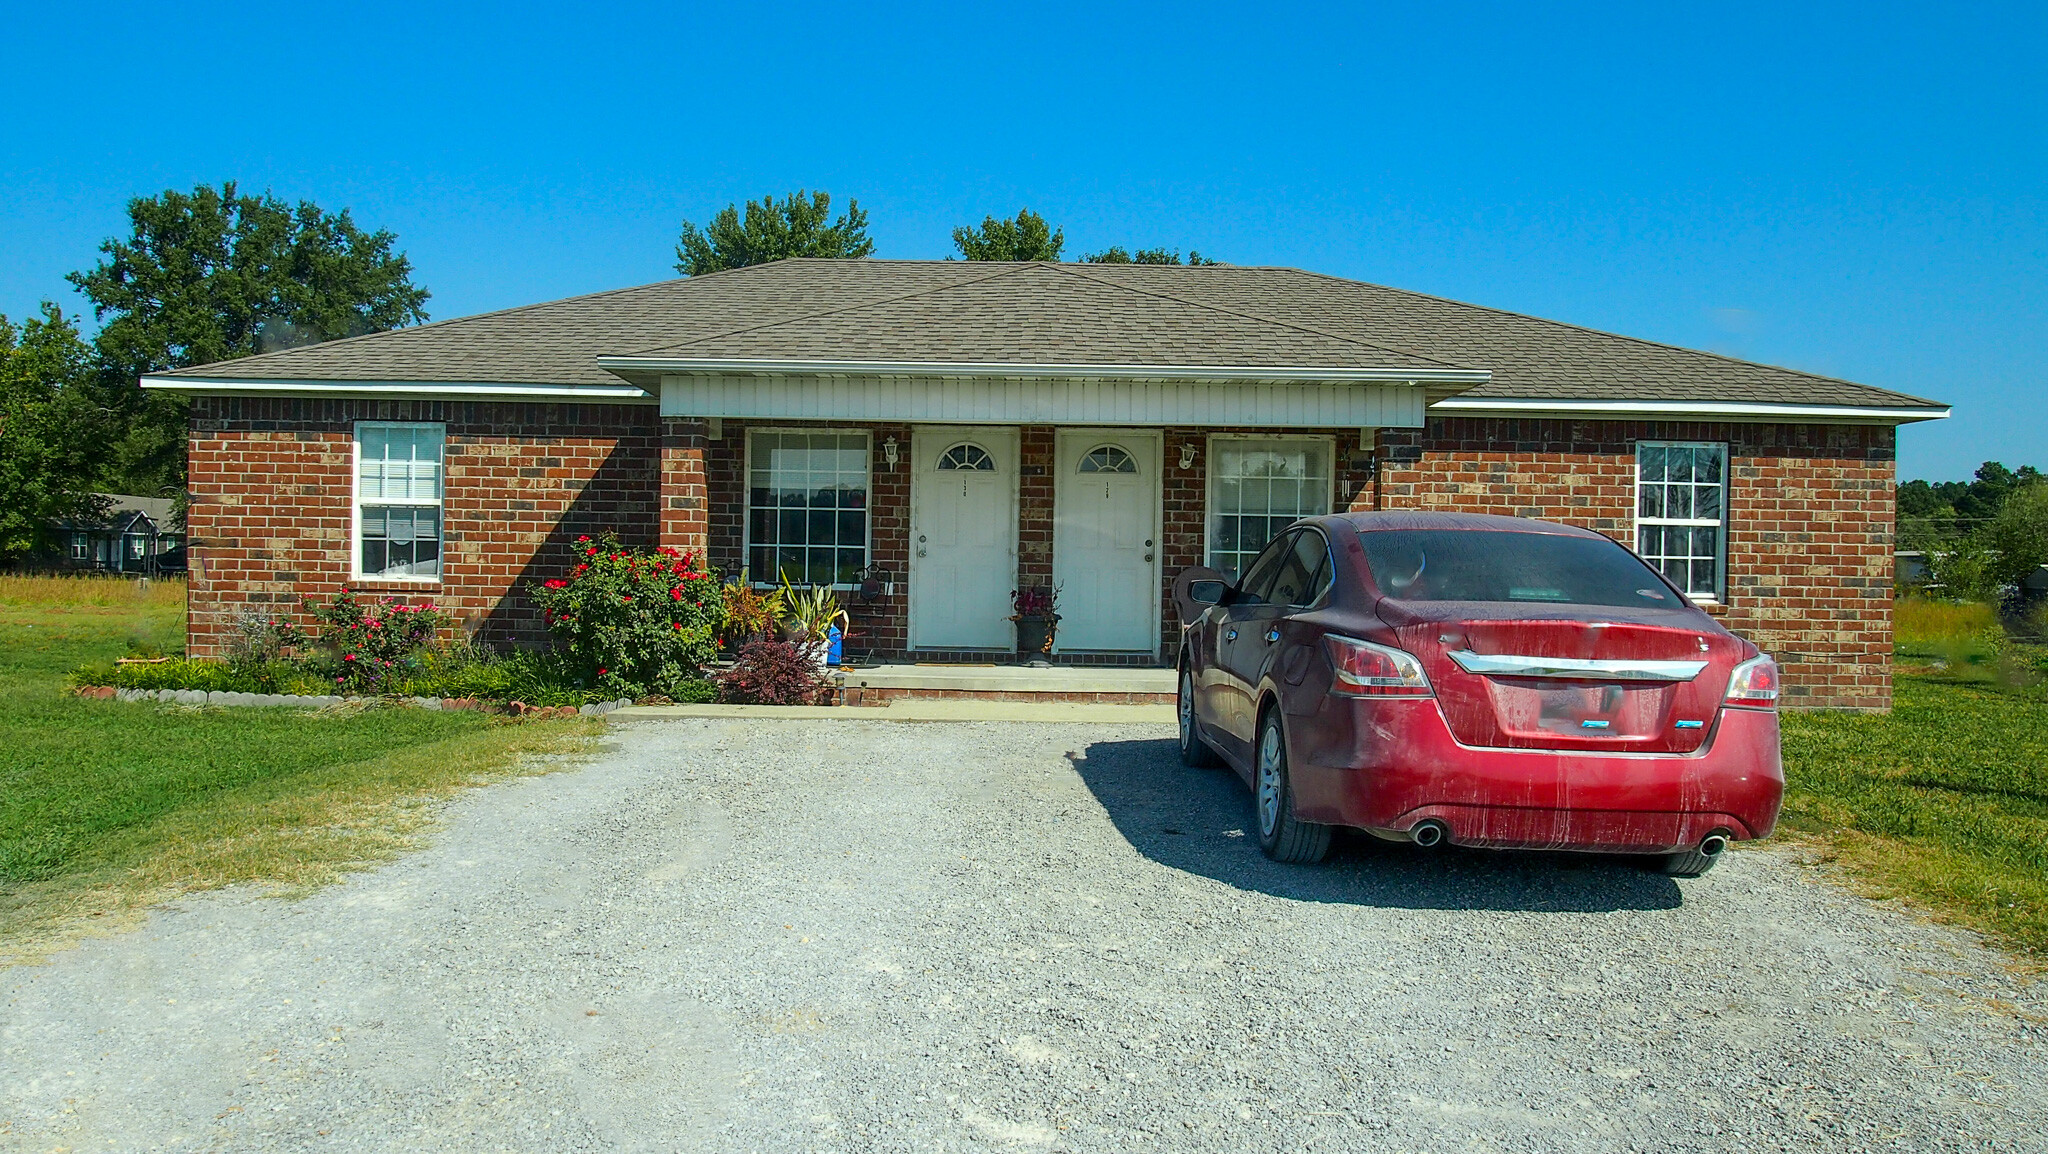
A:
<point x="1681" y="410"/>
<point x="216" y="386"/>
<point x="836" y="368"/>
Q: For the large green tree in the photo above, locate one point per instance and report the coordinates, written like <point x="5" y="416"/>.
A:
<point x="50" y="430"/>
<point x="799" y="224"/>
<point x="1027" y="237"/>
<point x="2018" y="536"/>
<point x="1117" y="254"/>
<point x="217" y="274"/>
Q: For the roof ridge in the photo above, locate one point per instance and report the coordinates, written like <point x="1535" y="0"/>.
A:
<point x="1605" y="333"/>
<point x="1011" y="267"/>
<point x="1262" y="319"/>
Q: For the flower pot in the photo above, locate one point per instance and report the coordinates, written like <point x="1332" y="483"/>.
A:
<point x="1035" y="634"/>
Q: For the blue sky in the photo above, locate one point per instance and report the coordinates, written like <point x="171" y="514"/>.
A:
<point x="1854" y="190"/>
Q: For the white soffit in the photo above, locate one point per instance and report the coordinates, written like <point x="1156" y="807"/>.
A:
<point x="992" y="400"/>
<point x="468" y="390"/>
<point x="1749" y="411"/>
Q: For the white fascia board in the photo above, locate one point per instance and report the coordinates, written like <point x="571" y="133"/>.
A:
<point x="1034" y="371"/>
<point x="1690" y="410"/>
<point x="499" y="390"/>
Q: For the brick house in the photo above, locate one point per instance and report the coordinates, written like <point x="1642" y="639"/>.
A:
<point x="929" y="435"/>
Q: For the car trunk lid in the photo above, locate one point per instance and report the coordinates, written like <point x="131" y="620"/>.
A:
<point x="1562" y="677"/>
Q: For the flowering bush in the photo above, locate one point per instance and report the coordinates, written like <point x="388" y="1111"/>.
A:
<point x="772" y="673"/>
<point x="370" y="645"/>
<point x="631" y="620"/>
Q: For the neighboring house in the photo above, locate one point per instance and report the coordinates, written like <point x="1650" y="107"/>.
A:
<point x="138" y="535"/>
<point x="930" y="435"/>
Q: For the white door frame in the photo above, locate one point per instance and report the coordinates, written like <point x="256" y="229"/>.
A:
<point x="931" y="439"/>
<point x="1156" y="439"/>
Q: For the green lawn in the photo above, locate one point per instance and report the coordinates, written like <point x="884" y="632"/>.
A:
<point x="1943" y="801"/>
<point x="106" y="805"/>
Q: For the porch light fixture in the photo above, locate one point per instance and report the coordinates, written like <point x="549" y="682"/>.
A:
<point x="889" y="452"/>
<point x="1187" y="456"/>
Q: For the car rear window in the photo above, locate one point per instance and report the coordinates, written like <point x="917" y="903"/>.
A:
<point x="1490" y="565"/>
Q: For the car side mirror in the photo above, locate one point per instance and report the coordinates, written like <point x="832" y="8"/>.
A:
<point x="1195" y="589"/>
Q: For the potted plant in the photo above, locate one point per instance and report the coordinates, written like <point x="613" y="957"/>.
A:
<point x="814" y="614"/>
<point x="1036" y="612"/>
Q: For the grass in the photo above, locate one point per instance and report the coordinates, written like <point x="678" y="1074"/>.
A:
<point x="1943" y="801"/>
<point x="108" y="807"/>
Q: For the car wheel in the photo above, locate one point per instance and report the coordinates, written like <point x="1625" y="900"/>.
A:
<point x="1194" y="752"/>
<point x="1281" y="834"/>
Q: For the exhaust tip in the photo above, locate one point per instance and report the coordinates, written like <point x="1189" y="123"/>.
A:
<point x="1429" y="833"/>
<point x="1713" y="844"/>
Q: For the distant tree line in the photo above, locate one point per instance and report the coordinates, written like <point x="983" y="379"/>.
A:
<point x="1981" y="536"/>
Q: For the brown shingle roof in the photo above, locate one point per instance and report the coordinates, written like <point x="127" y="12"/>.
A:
<point x="948" y="311"/>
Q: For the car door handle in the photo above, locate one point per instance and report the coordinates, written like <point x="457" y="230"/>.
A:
<point x="1230" y="635"/>
<point x="1272" y="635"/>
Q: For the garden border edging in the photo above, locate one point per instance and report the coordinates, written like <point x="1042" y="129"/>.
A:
<point x="222" y="697"/>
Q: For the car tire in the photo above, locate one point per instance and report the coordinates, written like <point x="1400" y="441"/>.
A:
<point x="1194" y="752"/>
<point x="1690" y="864"/>
<point x="1284" y="837"/>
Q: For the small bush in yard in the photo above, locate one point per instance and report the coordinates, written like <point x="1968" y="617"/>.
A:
<point x="772" y="673"/>
<point x="370" y="646"/>
<point x="631" y="621"/>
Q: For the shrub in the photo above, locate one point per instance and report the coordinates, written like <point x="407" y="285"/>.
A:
<point x="629" y="620"/>
<point x="258" y="638"/>
<point x="749" y="613"/>
<point x="370" y="646"/>
<point x="772" y="673"/>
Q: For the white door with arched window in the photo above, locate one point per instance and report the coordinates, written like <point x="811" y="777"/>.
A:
<point x="963" y="538"/>
<point x="1104" y="540"/>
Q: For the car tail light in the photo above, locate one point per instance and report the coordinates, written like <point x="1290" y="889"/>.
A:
<point x="1368" y="670"/>
<point x="1754" y="684"/>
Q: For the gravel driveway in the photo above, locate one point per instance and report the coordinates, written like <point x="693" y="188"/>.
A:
<point x="783" y="936"/>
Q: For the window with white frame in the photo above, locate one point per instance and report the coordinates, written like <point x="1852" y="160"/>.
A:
<point x="81" y="546"/>
<point x="1259" y="486"/>
<point x="1682" y="513"/>
<point x="398" y="499"/>
<point x="807" y="507"/>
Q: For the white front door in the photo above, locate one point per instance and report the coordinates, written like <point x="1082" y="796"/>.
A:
<point x="1105" y="527"/>
<point x="963" y="538"/>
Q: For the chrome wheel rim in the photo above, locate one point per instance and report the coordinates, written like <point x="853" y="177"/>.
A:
<point x="1187" y="712"/>
<point x="1269" y="780"/>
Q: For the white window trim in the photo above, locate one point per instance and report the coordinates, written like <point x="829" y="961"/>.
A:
<point x="355" y="504"/>
<point x="1209" y="479"/>
<point x="1720" y="594"/>
<point x="867" y="547"/>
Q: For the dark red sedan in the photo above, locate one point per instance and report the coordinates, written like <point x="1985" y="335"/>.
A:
<point x="1478" y="681"/>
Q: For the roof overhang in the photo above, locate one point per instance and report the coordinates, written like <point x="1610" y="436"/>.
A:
<point x="1038" y="394"/>
<point x="621" y="393"/>
<point x="643" y="368"/>
<point x="1743" y="411"/>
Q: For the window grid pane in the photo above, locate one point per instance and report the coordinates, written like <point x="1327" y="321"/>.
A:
<point x="399" y="483"/>
<point x="1258" y="488"/>
<point x="1680" y="506"/>
<point x="807" y="508"/>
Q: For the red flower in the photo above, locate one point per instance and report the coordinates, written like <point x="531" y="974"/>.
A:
<point x="627" y="600"/>
<point x="601" y="671"/>
<point x="555" y="583"/>
<point x="348" y="657"/>
<point x="581" y="540"/>
<point x="590" y="552"/>
<point x="676" y="593"/>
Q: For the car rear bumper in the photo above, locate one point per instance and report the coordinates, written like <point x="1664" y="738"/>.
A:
<point x="1385" y="765"/>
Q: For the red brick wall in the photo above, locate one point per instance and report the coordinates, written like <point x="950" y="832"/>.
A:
<point x="271" y="483"/>
<point x="1810" y="512"/>
<point x="1810" y="523"/>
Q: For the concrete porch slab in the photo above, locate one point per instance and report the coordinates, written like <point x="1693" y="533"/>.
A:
<point x="1059" y="679"/>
